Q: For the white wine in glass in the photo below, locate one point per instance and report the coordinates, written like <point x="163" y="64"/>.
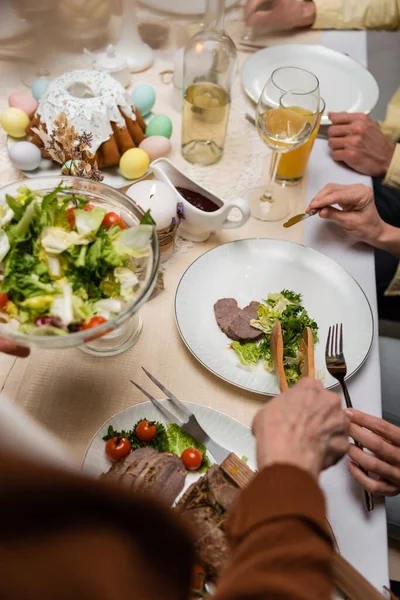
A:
<point x="287" y="113"/>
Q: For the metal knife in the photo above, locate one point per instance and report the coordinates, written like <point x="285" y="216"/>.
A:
<point x="298" y="218"/>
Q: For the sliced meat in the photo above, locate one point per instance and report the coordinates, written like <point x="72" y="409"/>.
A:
<point x="240" y="329"/>
<point x="162" y="475"/>
<point x="226" y="310"/>
<point x="151" y="472"/>
<point x="204" y="507"/>
<point x="118" y="468"/>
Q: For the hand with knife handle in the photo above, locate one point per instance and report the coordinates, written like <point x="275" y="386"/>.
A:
<point x="306" y="425"/>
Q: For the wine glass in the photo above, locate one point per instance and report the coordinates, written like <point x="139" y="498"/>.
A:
<point x="287" y="114"/>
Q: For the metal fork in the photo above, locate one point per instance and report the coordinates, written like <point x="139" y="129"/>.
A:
<point x="336" y="365"/>
<point x="191" y="425"/>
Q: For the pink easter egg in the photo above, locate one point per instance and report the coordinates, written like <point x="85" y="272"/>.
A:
<point x="23" y="101"/>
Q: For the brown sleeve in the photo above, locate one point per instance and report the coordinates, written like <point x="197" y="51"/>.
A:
<point x="66" y="536"/>
<point x="281" y="543"/>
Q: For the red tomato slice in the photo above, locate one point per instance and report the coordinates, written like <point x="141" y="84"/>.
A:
<point x="71" y="216"/>
<point x="111" y="219"/>
<point x="117" y="448"/>
<point x="91" y="324"/>
<point x="192" y="458"/>
<point x="3" y="299"/>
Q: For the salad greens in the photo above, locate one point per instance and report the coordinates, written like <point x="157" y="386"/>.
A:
<point x="287" y="308"/>
<point x="62" y="265"/>
<point x="169" y="438"/>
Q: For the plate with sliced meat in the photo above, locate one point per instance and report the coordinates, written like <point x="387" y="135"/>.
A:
<point x="229" y="299"/>
<point x="155" y="467"/>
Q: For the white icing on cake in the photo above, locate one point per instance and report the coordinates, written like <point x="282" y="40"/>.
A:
<point x="101" y="96"/>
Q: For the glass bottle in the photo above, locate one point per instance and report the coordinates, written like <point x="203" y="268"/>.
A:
<point x="209" y="68"/>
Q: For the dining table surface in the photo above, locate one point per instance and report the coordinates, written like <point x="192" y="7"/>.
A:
<point x="75" y="405"/>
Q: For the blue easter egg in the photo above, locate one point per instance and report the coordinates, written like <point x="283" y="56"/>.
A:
<point x="39" y="86"/>
<point x="144" y="98"/>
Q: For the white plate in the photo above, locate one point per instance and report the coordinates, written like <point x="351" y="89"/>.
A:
<point x="251" y="269"/>
<point x="112" y="175"/>
<point x="190" y="7"/>
<point x="224" y="429"/>
<point x="344" y="83"/>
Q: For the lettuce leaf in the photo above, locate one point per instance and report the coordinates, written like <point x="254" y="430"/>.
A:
<point x="89" y="222"/>
<point x="249" y="354"/>
<point x="179" y="440"/>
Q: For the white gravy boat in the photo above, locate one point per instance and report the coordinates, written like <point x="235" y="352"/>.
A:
<point x="198" y="224"/>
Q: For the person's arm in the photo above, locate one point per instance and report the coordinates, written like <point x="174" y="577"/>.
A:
<point x="323" y="14"/>
<point x="281" y="544"/>
<point x="357" y="215"/>
<point x="392" y="178"/>
<point x="357" y="14"/>
<point x="282" y="547"/>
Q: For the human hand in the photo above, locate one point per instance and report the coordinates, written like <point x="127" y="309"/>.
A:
<point x="279" y="14"/>
<point x="383" y="439"/>
<point x="358" y="141"/>
<point x="10" y="348"/>
<point x="358" y="217"/>
<point x="305" y="427"/>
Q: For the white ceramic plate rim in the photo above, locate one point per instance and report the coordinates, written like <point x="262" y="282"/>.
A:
<point x="183" y="10"/>
<point x="297" y="49"/>
<point x="249" y="389"/>
<point x="162" y="419"/>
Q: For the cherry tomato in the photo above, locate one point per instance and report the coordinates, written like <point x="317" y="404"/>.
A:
<point x="192" y="458"/>
<point x="71" y="216"/>
<point x="198" y="578"/>
<point x="146" y="431"/>
<point x="88" y="207"/>
<point x="94" y="322"/>
<point x="111" y="219"/>
<point x="117" y="448"/>
<point x="3" y="299"/>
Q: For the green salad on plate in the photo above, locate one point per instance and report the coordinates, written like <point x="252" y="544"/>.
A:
<point x="287" y="308"/>
<point x="67" y="264"/>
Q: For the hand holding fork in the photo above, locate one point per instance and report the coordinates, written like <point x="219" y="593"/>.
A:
<point x="336" y="365"/>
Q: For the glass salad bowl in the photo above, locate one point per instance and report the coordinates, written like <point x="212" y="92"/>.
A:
<point x="119" y="325"/>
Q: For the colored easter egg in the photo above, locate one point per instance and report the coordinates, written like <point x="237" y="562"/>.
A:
<point x="69" y="168"/>
<point x="25" y="156"/>
<point x="144" y="98"/>
<point x="24" y="101"/>
<point x="156" y="146"/>
<point x="134" y="163"/>
<point x="14" y="122"/>
<point x="39" y="86"/>
<point x="159" y="125"/>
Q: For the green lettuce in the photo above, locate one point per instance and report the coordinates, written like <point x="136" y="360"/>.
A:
<point x="249" y="354"/>
<point x="179" y="440"/>
<point x="287" y="308"/>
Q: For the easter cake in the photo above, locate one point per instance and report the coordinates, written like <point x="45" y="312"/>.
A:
<point x="94" y="103"/>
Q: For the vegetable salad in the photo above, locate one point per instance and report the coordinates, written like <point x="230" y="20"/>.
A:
<point x="165" y="438"/>
<point x="67" y="264"/>
<point x="287" y="308"/>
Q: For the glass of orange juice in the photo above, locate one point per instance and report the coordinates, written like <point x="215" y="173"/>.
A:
<point x="292" y="165"/>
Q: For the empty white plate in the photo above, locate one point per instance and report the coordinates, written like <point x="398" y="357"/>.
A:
<point x="344" y="83"/>
<point x="251" y="269"/>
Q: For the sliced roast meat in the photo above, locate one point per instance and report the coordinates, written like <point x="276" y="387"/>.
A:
<point x="118" y="468"/>
<point x="240" y="329"/>
<point x="147" y="471"/>
<point x="163" y="475"/>
<point x="204" y="507"/>
<point x="226" y="310"/>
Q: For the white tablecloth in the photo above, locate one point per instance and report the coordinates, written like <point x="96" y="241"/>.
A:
<point x="362" y="537"/>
